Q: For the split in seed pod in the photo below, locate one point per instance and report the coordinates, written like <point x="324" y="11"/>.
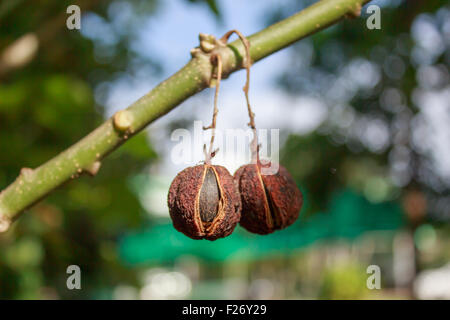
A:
<point x="204" y="202"/>
<point x="269" y="202"/>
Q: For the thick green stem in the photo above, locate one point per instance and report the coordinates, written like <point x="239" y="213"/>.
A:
<point x="85" y="156"/>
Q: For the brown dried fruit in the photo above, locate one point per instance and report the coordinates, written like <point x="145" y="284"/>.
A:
<point x="269" y="202"/>
<point x="204" y="202"/>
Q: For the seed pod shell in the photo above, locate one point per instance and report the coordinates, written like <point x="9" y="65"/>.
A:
<point x="184" y="203"/>
<point x="269" y="202"/>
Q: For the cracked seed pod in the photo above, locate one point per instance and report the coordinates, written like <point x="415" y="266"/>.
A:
<point x="269" y="202"/>
<point x="204" y="202"/>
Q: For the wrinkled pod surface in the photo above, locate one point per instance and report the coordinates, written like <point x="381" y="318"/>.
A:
<point x="204" y="202"/>
<point x="269" y="202"/>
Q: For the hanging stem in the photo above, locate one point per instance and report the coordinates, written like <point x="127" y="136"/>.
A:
<point x="248" y="63"/>
<point x="209" y="155"/>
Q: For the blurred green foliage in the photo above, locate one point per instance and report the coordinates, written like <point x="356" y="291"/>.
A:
<point x="346" y="281"/>
<point x="44" y="108"/>
<point x="342" y="151"/>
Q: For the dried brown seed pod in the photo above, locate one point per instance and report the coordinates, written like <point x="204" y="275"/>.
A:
<point x="204" y="202"/>
<point x="269" y="202"/>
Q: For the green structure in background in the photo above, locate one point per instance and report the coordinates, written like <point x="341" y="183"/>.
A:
<point x="349" y="216"/>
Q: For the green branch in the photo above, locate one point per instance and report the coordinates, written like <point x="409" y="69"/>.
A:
<point x="86" y="155"/>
